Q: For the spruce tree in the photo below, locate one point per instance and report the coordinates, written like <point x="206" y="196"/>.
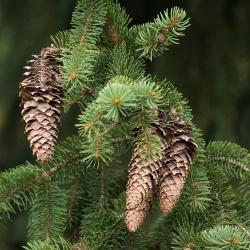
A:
<point x="181" y="193"/>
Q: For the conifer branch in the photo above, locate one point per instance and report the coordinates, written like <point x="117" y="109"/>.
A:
<point x="229" y="161"/>
<point x="61" y="40"/>
<point x="74" y="196"/>
<point x="32" y="181"/>
<point x="242" y="227"/>
<point x="102" y="184"/>
<point x="103" y="71"/>
<point x="152" y="39"/>
<point x="116" y="27"/>
<point x="56" y="244"/>
<point x="49" y="204"/>
<point x="225" y="237"/>
<point x="85" y="93"/>
<point x="48" y="219"/>
<point x="235" y="158"/>
<point x="17" y="185"/>
<point x="57" y="167"/>
<point x="87" y="22"/>
<point x="197" y="193"/>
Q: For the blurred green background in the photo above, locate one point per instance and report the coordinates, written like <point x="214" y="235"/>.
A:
<point x="211" y="66"/>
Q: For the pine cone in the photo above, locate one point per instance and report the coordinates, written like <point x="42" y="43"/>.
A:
<point x="142" y="187"/>
<point x="166" y="174"/>
<point x="41" y="101"/>
<point x="177" y="161"/>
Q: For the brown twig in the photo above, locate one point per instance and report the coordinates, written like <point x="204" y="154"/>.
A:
<point x="76" y="187"/>
<point x="85" y="27"/>
<point x="85" y="92"/>
<point x="229" y="160"/>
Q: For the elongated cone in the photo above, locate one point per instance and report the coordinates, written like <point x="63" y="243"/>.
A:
<point x="142" y="186"/>
<point x="177" y="161"/>
<point x="165" y="174"/>
<point x="41" y="101"/>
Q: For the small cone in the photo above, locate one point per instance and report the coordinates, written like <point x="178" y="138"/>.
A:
<point x="177" y="161"/>
<point x="41" y="101"/>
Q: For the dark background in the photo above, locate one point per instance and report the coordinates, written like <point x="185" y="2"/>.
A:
<point x="211" y="66"/>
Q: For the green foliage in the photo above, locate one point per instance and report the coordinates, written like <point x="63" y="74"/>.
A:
<point x="80" y="57"/>
<point x="234" y="159"/>
<point x="152" y="39"/>
<point x="60" y="39"/>
<point x="87" y="21"/>
<point x="148" y="143"/>
<point x="77" y="66"/>
<point x="225" y="237"/>
<point x="121" y="100"/>
<point x="47" y="213"/>
<point x="77" y="200"/>
<point x="184" y="237"/>
<point x="197" y="193"/>
<point x="149" y="95"/>
<point x="151" y="237"/>
<point x="58" y="244"/>
<point x="116" y="27"/>
<point x="15" y="187"/>
<point x="175" y="100"/>
<point x="98" y="150"/>
<point x="123" y="62"/>
<point x="115" y="100"/>
<point x="99" y="229"/>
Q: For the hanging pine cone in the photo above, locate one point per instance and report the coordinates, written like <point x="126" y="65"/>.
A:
<point x="41" y="101"/>
<point x="142" y="187"/>
<point x="177" y="161"/>
<point x="166" y="174"/>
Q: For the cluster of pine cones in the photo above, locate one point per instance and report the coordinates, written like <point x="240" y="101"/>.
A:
<point x="41" y="100"/>
<point x="164" y="175"/>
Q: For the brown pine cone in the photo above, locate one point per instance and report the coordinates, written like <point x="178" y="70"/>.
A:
<point x="41" y="101"/>
<point x="177" y="161"/>
<point x="142" y="187"/>
<point x="166" y="174"/>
